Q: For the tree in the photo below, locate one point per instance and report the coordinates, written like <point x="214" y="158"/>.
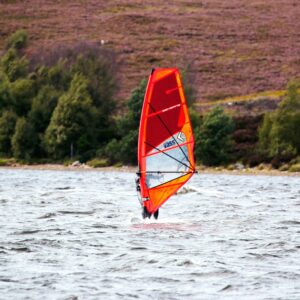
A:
<point x="101" y="80"/>
<point x="17" y="40"/>
<point x="128" y="147"/>
<point x="287" y="120"/>
<point x="14" y="66"/>
<point x="135" y="105"/>
<point x="59" y="76"/>
<point x="24" y="140"/>
<point x="125" y="148"/>
<point x="64" y="108"/>
<point x="213" y="138"/>
<point x="195" y="118"/>
<point x="73" y="122"/>
<point x="279" y="135"/>
<point x="12" y="63"/>
<point x="43" y="106"/>
<point x="111" y="151"/>
<point x="97" y="67"/>
<point x="6" y="99"/>
<point x="7" y="127"/>
<point x="264" y="133"/>
<point x="22" y="91"/>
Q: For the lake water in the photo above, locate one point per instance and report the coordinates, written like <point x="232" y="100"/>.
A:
<point x="80" y="235"/>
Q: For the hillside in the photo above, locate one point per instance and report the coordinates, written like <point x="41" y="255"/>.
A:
<point x="233" y="48"/>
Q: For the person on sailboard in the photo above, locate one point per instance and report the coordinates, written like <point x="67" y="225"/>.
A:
<point x="145" y="212"/>
<point x="137" y="183"/>
<point x="138" y="187"/>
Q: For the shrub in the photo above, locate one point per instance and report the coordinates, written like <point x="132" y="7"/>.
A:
<point x="128" y="148"/>
<point x="135" y="105"/>
<point x="195" y="118"/>
<point x="98" y="163"/>
<point x="66" y="95"/>
<point x="112" y="151"/>
<point x="6" y="162"/>
<point x="124" y="148"/>
<point x="7" y="127"/>
<point x="14" y="66"/>
<point x="43" y="106"/>
<point x="22" y="91"/>
<point x="294" y="168"/>
<point x="5" y="92"/>
<point x="24" y="140"/>
<point x="279" y="135"/>
<point x="73" y="122"/>
<point x="284" y="167"/>
<point x="17" y="40"/>
<point x="213" y="138"/>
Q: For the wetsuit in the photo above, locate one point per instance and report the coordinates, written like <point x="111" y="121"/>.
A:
<point x="145" y="212"/>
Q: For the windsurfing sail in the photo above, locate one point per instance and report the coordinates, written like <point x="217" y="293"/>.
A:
<point x="166" y="141"/>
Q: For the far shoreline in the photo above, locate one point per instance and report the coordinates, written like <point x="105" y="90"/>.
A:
<point x="133" y="169"/>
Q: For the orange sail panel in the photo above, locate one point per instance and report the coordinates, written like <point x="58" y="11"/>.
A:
<point x="166" y="141"/>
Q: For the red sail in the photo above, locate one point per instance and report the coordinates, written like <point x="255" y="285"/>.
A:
<point x="166" y="141"/>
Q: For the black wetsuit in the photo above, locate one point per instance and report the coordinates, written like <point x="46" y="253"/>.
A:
<point x="145" y="212"/>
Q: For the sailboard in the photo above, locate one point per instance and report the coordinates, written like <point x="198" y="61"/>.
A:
<point x="165" y="142"/>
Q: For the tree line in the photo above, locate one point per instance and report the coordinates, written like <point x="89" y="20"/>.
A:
<point x="59" y="105"/>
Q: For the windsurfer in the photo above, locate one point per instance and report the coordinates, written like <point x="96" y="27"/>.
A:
<point x="138" y="186"/>
<point x="145" y="212"/>
<point x="137" y="182"/>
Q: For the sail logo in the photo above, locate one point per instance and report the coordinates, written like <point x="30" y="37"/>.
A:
<point x="169" y="144"/>
<point x="181" y="136"/>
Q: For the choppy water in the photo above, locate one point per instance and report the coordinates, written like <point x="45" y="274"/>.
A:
<point x="79" y="235"/>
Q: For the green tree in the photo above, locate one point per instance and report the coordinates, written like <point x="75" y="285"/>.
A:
<point x="279" y="135"/>
<point x="24" y="140"/>
<point x="195" y="118"/>
<point x="13" y="65"/>
<point x="6" y="99"/>
<point x="18" y="40"/>
<point x="213" y="138"/>
<point x="123" y="150"/>
<point x="135" y="105"/>
<point x="264" y="133"/>
<point x="43" y="106"/>
<point x="127" y="128"/>
<point x="59" y="76"/>
<point x="128" y="147"/>
<point x="22" y="91"/>
<point x="72" y="122"/>
<point x="101" y="85"/>
<point x="63" y="107"/>
<point x="7" y="127"/>
<point x="101" y="80"/>
<point x="288" y="120"/>
<point x="111" y="151"/>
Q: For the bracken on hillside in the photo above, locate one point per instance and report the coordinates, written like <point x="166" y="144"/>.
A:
<point x="234" y="47"/>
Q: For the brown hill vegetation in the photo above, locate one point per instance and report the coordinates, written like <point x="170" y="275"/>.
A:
<point x="233" y="47"/>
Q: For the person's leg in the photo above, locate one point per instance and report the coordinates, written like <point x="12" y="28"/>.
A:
<point x="145" y="213"/>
